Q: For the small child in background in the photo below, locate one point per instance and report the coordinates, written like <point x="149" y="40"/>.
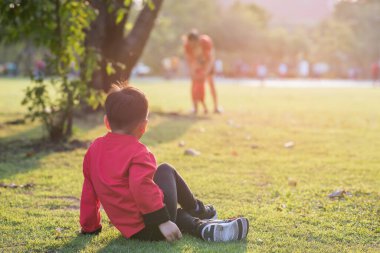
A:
<point x="140" y="199"/>
<point x="200" y="58"/>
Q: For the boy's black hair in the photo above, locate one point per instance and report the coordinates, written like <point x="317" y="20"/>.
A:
<point x="125" y="107"/>
<point x="193" y="35"/>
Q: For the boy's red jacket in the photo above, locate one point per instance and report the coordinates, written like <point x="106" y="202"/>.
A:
<point x="118" y="173"/>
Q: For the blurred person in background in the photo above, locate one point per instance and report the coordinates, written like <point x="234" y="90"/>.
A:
<point x="262" y="72"/>
<point x="39" y="69"/>
<point x="375" y="71"/>
<point x="218" y="67"/>
<point x="166" y="65"/>
<point x="200" y="56"/>
<point x="303" y="68"/>
<point x="11" y="69"/>
<point x="283" y="70"/>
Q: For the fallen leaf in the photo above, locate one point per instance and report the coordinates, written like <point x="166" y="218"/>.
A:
<point x="337" y="194"/>
<point x="289" y="144"/>
<point x="254" y="146"/>
<point x="234" y="153"/>
<point x="30" y="154"/>
<point x="192" y="152"/>
<point x="292" y="182"/>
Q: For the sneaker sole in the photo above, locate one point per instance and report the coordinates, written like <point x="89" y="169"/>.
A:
<point x="235" y="230"/>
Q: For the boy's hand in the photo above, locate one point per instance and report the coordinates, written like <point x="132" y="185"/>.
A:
<point x="170" y="231"/>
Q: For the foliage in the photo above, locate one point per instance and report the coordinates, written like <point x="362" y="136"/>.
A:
<point x="363" y="18"/>
<point x="59" y="27"/>
<point x="333" y="42"/>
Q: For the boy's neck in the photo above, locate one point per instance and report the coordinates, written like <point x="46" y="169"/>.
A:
<point x="125" y="133"/>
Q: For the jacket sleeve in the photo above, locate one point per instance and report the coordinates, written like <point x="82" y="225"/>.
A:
<point x="89" y="204"/>
<point x="147" y="195"/>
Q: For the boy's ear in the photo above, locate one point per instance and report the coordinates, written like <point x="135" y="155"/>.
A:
<point x="143" y="126"/>
<point x="107" y="123"/>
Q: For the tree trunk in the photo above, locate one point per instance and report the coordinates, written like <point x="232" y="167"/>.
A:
<point x="108" y="38"/>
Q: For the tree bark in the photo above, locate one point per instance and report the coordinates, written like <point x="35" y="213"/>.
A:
<point x="114" y="47"/>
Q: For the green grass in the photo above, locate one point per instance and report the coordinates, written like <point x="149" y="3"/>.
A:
<point x="337" y="142"/>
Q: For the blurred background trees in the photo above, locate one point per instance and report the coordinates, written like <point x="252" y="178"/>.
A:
<point x="349" y="38"/>
<point x="84" y="46"/>
<point x="242" y="32"/>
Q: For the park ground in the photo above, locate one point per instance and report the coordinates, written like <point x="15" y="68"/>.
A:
<point x="243" y="169"/>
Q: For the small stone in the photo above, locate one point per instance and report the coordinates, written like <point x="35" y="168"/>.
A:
<point x="202" y="130"/>
<point x="181" y="144"/>
<point x="58" y="233"/>
<point x="289" y="144"/>
<point x="13" y="185"/>
<point x="192" y="152"/>
<point x="27" y="186"/>
<point x="59" y="230"/>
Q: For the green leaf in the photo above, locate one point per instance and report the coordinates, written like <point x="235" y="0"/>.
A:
<point x="120" y="15"/>
<point x="151" y="5"/>
<point x="109" y="69"/>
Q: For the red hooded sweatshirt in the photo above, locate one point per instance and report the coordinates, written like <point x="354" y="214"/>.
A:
<point x="118" y="173"/>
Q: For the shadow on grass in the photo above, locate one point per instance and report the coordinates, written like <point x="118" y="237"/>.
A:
<point x="173" y="126"/>
<point x="22" y="151"/>
<point x="77" y="244"/>
<point x="189" y="243"/>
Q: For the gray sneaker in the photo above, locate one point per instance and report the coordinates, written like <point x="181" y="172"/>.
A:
<point x="225" y="230"/>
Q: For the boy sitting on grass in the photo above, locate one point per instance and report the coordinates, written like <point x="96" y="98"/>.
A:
<point x="140" y="198"/>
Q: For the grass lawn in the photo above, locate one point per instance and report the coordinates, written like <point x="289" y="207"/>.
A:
<point x="243" y="169"/>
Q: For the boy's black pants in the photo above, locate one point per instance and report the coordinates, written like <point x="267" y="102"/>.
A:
<point x="175" y="191"/>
